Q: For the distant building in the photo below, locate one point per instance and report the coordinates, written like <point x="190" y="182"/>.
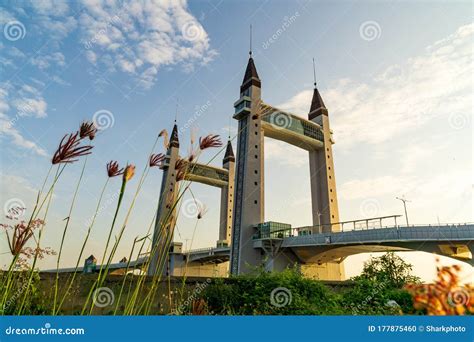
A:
<point x="90" y="264"/>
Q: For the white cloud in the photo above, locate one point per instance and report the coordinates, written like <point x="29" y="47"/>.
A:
<point x="8" y="130"/>
<point x="26" y="107"/>
<point x="284" y="154"/>
<point x="370" y="187"/>
<point x="44" y="61"/>
<point x="31" y="107"/>
<point x="141" y="37"/>
<point x="403" y="97"/>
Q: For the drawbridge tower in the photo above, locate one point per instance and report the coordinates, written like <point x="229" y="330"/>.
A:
<point x="166" y="217"/>
<point x="257" y="120"/>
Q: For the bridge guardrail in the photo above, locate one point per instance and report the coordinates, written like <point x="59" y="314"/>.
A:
<point x="456" y="232"/>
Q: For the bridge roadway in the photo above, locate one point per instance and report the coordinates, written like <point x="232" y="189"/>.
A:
<point x="454" y="241"/>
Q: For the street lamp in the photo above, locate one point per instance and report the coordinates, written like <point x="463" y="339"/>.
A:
<point x="404" y="206"/>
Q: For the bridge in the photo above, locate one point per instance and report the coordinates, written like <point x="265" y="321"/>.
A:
<point x="285" y="246"/>
<point x="305" y="245"/>
<point x="451" y="240"/>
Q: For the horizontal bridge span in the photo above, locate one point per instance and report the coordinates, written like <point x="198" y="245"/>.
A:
<point x="206" y="174"/>
<point x="420" y="233"/>
<point x="290" y="128"/>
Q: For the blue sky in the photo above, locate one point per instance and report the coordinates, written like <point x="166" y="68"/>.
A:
<point x="395" y="77"/>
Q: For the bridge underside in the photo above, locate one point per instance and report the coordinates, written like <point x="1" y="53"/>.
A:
<point x="323" y="254"/>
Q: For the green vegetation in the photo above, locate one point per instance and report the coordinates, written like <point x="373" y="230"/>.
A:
<point x="377" y="291"/>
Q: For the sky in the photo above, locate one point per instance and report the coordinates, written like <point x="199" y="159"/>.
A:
<point x="396" y="78"/>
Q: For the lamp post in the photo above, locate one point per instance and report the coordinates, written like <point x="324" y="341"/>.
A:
<point x="404" y="206"/>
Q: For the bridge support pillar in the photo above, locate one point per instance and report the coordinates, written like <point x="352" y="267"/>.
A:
<point x="249" y="183"/>
<point x="227" y="199"/>
<point x="166" y="212"/>
<point x="322" y="175"/>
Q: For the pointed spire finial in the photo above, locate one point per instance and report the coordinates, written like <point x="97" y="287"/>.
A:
<point x="250" y="50"/>
<point x="230" y="123"/>
<point x="314" y="73"/>
<point x="176" y="112"/>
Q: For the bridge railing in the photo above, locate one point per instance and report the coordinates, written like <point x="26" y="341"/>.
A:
<point x="301" y="231"/>
<point x="381" y="222"/>
<point x="204" y="250"/>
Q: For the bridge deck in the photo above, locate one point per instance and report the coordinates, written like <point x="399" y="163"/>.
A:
<point x="419" y="233"/>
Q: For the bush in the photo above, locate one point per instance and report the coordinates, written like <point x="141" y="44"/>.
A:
<point x="284" y="293"/>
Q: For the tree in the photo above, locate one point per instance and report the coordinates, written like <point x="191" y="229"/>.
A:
<point x="390" y="270"/>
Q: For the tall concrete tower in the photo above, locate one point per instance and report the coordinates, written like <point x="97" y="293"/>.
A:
<point x="249" y="186"/>
<point x="227" y="199"/>
<point x="166" y="213"/>
<point x="321" y="164"/>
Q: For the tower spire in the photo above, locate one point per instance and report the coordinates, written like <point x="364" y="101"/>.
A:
<point x="176" y="112"/>
<point x="251" y="75"/>
<point x="317" y="104"/>
<point x="314" y="74"/>
<point x="229" y="153"/>
<point x="250" y="50"/>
